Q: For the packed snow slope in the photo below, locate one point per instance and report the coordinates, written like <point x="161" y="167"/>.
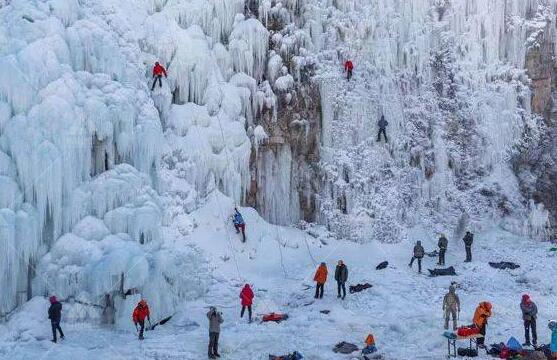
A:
<point x="402" y="309"/>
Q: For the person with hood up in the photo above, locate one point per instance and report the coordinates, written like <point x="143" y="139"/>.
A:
<point x="246" y="296"/>
<point x="370" y="347"/>
<point x="55" y="315"/>
<point x="320" y="278"/>
<point x="529" y="315"/>
<point x="552" y="325"/>
<point x="215" y="319"/>
<point x="418" y="254"/>
<point x="140" y="313"/>
<point x="341" y="276"/>
<point x="158" y="72"/>
<point x="382" y="123"/>
<point x="451" y="307"/>
<point x="481" y="315"/>
<point x="442" y="244"/>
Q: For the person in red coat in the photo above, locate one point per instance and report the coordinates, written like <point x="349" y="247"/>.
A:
<point x="348" y="67"/>
<point x="158" y="72"/>
<point x="246" y="296"/>
<point x="140" y="313"/>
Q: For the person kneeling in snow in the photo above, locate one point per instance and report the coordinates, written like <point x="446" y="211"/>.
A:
<point x="247" y="300"/>
<point x="370" y="346"/>
<point x="55" y="315"/>
<point x="239" y="224"/>
<point x="158" y="72"/>
<point x="482" y="314"/>
<point x="140" y="313"/>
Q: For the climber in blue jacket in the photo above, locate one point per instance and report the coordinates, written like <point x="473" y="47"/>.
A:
<point x="239" y="224"/>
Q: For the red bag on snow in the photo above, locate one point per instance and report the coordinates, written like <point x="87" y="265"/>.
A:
<point x="467" y="331"/>
<point x="275" y="317"/>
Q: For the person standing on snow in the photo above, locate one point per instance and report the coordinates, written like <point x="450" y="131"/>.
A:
<point x="468" y="241"/>
<point x="529" y="315"/>
<point x="55" y="315"/>
<point x="451" y="306"/>
<point x="481" y="315"/>
<point x="215" y="319"/>
<point x="341" y="276"/>
<point x="382" y="123"/>
<point x="552" y="325"/>
<point x="419" y="253"/>
<point x="320" y="278"/>
<point x="239" y="224"/>
<point x="246" y="296"/>
<point x="442" y="244"/>
<point x="140" y="313"/>
<point x="158" y="72"/>
<point x="348" y="68"/>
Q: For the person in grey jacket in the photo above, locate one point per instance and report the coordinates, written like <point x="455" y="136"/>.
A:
<point x="341" y="276"/>
<point x="215" y="319"/>
<point x="442" y="244"/>
<point x="451" y="307"/>
<point x="419" y="253"/>
<point x="529" y="315"/>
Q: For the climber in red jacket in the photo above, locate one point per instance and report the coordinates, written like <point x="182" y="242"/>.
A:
<point x="158" y="72"/>
<point x="348" y="67"/>
<point x="247" y="299"/>
<point x="140" y="313"/>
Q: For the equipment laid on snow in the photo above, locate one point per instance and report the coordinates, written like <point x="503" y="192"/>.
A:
<point x="276" y="317"/>
<point x="450" y="271"/>
<point x="467" y="330"/>
<point x="160" y="322"/>
<point x="294" y="356"/>
<point x="467" y="352"/>
<point x="360" y="287"/>
<point x="345" y="348"/>
<point x="382" y="265"/>
<point x="503" y="265"/>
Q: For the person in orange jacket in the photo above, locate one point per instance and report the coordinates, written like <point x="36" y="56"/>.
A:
<point x="370" y="347"/>
<point x="482" y="314"/>
<point x="320" y="278"/>
<point x="140" y="313"/>
<point x="348" y="68"/>
<point x="158" y="72"/>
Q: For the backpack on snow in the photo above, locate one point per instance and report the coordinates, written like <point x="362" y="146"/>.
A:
<point x="467" y="352"/>
<point x="382" y="265"/>
<point x="465" y="331"/>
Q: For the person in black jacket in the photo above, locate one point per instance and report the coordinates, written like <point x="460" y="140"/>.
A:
<point x="383" y="123"/>
<point x="55" y="315"/>
<point x="468" y="241"/>
<point x="341" y="276"/>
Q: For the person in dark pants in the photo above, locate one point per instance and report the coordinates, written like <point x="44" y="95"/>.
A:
<point x="529" y="315"/>
<point x="320" y="278"/>
<point x="341" y="276"/>
<point x="55" y="315"/>
<point x="239" y="224"/>
<point x="481" y="315"/>
<point x="382" y="128"/>
<point x="140" y="313"/>
<point x="442" y="244"/>
<point x="419" y="253"/>
<point x="348" y="68"/>
<point x="215" y="319"/>
<point x="246" y="296"/>
<point x="158" y="72"/>
<point x="468" y="241"/>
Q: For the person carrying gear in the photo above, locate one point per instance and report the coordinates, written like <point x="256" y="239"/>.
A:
<point x="468" y="241"/>
<point x="140" y="313"/>
<point x="341" y="276"/>
<point x="552" y="325"/>
<point x="55" y="315"/>
<point x="215" y="319"/>
<point x="451" y="306"/>
<point x="481" y="315"/>
<point x="348" y="68"/>
<point x="246" y="296"/>
<point x="529" y="315"/>
<point x="158" y="72"/>
<point x="382" y="123"/>
<point x="239" y="224"/>
<point x="419" y="253"/>
<point x="320" y="278"/>
<point x="442" y="244"/>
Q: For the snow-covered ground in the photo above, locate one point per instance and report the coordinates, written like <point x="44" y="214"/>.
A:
<point x="403" y="309"/>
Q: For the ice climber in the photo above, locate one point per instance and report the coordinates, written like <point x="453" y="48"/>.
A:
<point x="246" y="296"/>
<point x="451" y="307"/>
<point x="418" y="254"/>
<point x="215" y="319"/>
<point x="468" y="241"/>
<point x="239" y="224"/>
<point x="348" y="68"/>
<point x="382" y="123"/>
<point x="320" y="278"/>
<point x="158" y="72"/>
<point x="529" y="315"/>
<point x="140" y="313"/>
<point x="341" y="276"/>
<point x="481" y="315"/>
<point x="442" y="244"/>
<point x="55" y="315"/>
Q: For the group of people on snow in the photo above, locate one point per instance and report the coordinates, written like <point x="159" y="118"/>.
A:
<point x="341" y="277"/>
<point x="419" y="251"/>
